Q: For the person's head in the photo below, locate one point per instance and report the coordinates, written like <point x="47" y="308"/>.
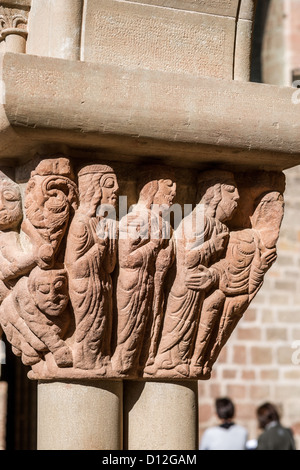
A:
<point x="267" y="413"/>
<point x="50" y="194"/>
<point x="49" y="290"/>
<point x="156" y="186"/>
<point x="225" y="409"/>
<point x="10" y="204"/>
<point x="97" y="184"/>
<point x="218" y="192"/>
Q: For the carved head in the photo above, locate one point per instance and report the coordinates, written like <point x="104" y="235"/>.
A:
<point x="218" y="192"/>
<point x="97" y="185"/>
<point x="267" y="216"/>
<point x="157" y="186"/>
<point x="50" y="194"/>
<point x="10" y="204"/>
<point x="49" y="290"/>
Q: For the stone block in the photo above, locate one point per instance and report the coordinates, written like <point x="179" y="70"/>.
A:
<point x="261" y="355"/>
<point x="269" y="374"/>
<point x="249" y="334"/>
<point x="276" y="334"/>
<point x="239" y="354"/>
<point x="134" y="35"/>
<point x="215" y="7"/>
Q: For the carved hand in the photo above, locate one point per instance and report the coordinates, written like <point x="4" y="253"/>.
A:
<point x="200" y="280"/>
<point x="220" y="241"/>
<point x="267" y="258"/>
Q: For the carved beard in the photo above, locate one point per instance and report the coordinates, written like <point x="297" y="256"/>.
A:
<point x="10" y="219"/>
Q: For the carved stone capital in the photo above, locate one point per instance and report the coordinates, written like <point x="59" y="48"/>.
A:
<point x="90" y="289"/>
<point x="13" y="21"/>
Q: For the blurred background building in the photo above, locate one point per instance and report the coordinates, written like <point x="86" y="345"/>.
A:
<point x="261" y="361"/>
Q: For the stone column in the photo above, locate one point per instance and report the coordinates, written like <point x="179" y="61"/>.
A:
<point x="60" y="23"/>
<point x="161" y="415"/>
<point x="80" y="415"/>
<point x="92" y="301"/>
<point x="13" y="27"/>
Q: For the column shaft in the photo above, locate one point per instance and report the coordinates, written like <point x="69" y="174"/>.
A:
<point x="161" y="415"/>
<point x="80" y="416"/>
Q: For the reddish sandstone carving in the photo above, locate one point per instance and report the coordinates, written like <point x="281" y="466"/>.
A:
<point x="90" y="260"/>
<point x="18" y="250"/>
<point x="84" y="297"/>
<point x="34" y="317"/>
<point x="51" y="197"/>
<point x="145" y="255"/>
<point x="201" y="241"/>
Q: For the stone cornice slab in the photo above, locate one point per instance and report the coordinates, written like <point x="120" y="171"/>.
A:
<point x="176" y="118"/>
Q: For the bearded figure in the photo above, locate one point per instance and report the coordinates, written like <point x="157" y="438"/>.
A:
<point x="239" y="276"/>
<point x="90" y="259"/>
<point x="201" y="240"/>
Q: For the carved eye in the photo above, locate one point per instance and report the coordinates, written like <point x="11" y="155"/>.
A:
<point x="109" y="183"/>
<point x="59" y="284"/>
<point x="44" y="288"/>
<point x="229" y="188"/>
<point x="10" y="196"/>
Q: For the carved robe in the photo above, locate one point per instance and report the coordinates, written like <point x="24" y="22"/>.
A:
<point x="250" y="254"/>
<point x="90" y="261"/>
<point x="194" y="248"/>
<point x="144" y="261"/>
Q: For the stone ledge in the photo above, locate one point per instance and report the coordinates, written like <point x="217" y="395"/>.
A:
<point x="144" y="113"/>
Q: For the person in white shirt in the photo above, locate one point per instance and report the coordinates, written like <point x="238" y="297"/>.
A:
<point x="227" y="435"/>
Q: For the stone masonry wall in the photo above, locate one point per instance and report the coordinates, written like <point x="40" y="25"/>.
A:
<point x="261" y="361"/>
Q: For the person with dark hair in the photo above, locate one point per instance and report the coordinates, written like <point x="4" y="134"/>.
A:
<point x="227" y="435"/>
<point x="274" y="435"/>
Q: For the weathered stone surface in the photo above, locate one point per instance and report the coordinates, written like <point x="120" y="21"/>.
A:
<point x="85" y="296"/>
<point x="164" y="39"/>
<point x="61" y="25"/>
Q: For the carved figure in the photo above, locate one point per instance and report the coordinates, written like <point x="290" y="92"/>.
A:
<point x="51" y="197"/>
<point x="15" y="258"/>
<point x="145" y="255"/>
<point x="251" y="252"/>
<point x="200" y="242"/>
<point x="90" y="258"/>
<point x="34" y="317"/>
<point x="84" y="297"/>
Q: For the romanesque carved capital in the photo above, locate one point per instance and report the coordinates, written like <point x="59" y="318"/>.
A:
<point x="156" y="292"/>
<point x="13" y="21"/>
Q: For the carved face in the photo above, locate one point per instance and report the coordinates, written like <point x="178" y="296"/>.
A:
<point x="10" y="205"/>
<point x="110" y="189"/>
<point x="229" y="201"/>
<point x="165" y="193"/>
<point x="50" y="291"/>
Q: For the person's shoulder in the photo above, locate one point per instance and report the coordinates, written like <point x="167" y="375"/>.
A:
<point x="211" y="430"/>
<point x="239" y="428"/>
